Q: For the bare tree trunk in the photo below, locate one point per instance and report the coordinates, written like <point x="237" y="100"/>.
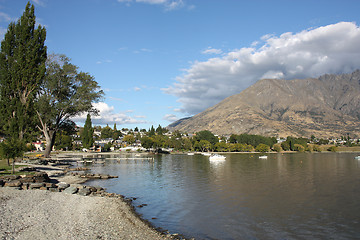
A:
<point x="13" y="166"/>
<point x="50" y="141"/>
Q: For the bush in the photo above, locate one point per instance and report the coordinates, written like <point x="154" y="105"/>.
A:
<point x="332" y="149"/>
<point x="277" y="148"/>
<point x="262" y="148"/>
<point x="316" y="148"/>
<point x="299" y="148"/>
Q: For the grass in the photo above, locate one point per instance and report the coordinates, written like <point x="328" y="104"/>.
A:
<point x="6" y="170"/>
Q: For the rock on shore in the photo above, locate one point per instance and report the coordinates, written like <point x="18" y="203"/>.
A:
<point x="37" y="214"/>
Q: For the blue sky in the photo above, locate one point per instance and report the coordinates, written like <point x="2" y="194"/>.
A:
<point x="161" y="60"/>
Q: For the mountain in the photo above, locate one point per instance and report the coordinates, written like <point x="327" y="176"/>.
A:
<point x="328" y="106"/>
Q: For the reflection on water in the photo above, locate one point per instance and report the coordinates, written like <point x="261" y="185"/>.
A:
<point x="287" y="196"/>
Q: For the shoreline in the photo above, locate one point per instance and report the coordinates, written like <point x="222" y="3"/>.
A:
<point x="119" y="209"/>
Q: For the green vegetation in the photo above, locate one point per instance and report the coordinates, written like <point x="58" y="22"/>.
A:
<point x="87" y="135"/>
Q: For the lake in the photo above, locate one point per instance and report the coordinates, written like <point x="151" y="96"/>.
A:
<point x="286" y="196"/>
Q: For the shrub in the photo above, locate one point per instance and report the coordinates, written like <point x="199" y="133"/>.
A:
<point x="277" y="148"/>
<point x="262" y="148"/>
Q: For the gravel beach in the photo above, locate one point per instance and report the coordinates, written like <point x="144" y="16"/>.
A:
<point x="41" y="214"/>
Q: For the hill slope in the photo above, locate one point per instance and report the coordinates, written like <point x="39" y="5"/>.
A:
<point x="325" y="106"/>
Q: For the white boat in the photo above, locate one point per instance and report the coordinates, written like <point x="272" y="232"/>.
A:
<point x="263" y="157"/>
<point x="206" y="154"/>
<point x="190" y="154"/>
<point x="217" y="157"/>
<point x="357" y="158"/>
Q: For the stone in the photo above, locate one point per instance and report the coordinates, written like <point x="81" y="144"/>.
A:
<point x="36" y="185"/>
<point x="84" y="191"/>
<point x="13" y="183"/>
<point x="62" y="186"/>
<point x="25" y="186"/>
<point x="50" y="185"/>
<point x="41" y="177"/>
<point x="43" y="188"/>
<point x="92" y="189"/>
<point x="9" y="177"/>
<point x="71" y="190"/>
<point x="2" y="182"/>
<point x="53" y="189"/>
<point x="27" y="179"/>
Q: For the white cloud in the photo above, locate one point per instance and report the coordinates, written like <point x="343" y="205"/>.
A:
<point x="168" y="4"/>
<point x="39" y="2"/>
<point x="108" y="116"/>
<point x="137" y="89"/>
<point x="211" y="50"/>
<point x="4" y="17"/>
<point x="330" y="49"/>
<point x="170" y="117"/>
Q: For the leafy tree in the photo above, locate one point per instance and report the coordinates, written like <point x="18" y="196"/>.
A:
<point x="151" y="131"/>
<point x="221" y="147"/>
<point x="12" y="148"/>
<point x="262" y="148"/>
<point x="206" y="135"/>
<point x="65" y="93"/>
<point x="130" y="139"/>
<point x="106" y="132"/>
<point x="277" y="147"/>
<point x="159" y="130"/>
<point x="299" y="148"/>
<point x="147" y="142"/>
<point x="22" y="69"/>
<point x="203" y="145"/>
<point x="87" y="136"/>
<point x="285" y="145"/>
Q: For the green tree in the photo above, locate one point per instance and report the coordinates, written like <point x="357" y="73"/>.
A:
<point x="151" y="131"/>
<point x="130" y="139"/>
<point x="87" y="135"/>
<point x="22" y="69"/>
<point x="147" y="142"/>
<point x="106" y="132"/>
<point x="262" y="148"/>
<point x="65" y="93"/>
<point x="203" y="145"/>
<point x="206" y="135"/>
<point x="12" y="148"/>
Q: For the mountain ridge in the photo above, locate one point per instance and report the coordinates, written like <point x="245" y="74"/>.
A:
<point x="326" y="106"/>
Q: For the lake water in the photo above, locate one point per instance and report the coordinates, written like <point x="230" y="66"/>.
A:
<point x="287" y="196"/>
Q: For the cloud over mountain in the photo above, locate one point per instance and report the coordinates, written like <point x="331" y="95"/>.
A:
<point x="310" y="53"/>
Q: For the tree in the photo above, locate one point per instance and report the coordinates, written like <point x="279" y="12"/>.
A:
<point x="22" y="69"/>
<point x="206" y="135"/>
<point x="203" y="145"/>
<point x="106" y="132"/>
<point x="262" y="148"/>
<point x="87" y="133"/>
<point x="130" y="139"/>
<point x="65" y="93"/>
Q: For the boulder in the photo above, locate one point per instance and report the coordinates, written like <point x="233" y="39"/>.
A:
<point x="41" y="177"/>
<point x="84" y="191"/>
<point x="53" y="189"/>
<point x="36" y="185"/>
<point x="71" y="190"/>
<point x="13" y="183"/>
<point x="62" y="186"/>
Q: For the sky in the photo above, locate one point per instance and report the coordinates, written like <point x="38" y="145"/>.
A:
<point x="158" y="61"/>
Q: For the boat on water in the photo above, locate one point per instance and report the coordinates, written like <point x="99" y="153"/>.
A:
<point x="191" y="154"/>
<point x="263" y="157"/>
<point x="206" y="154"/>
<point x="217" y="157"/>
<point x="357" y="158"/>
